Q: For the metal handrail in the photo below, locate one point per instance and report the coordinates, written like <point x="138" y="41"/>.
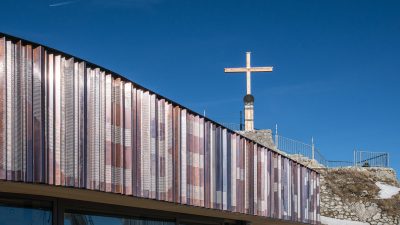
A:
<point x="361" y="158"/>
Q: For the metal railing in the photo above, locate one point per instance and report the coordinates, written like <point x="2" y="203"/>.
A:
<point x="304" y="151"/>
<point x="371" y="159"/>
<point x="320" y="158"/>
<point x="292" y="146"/>
<point x="308" y="152"/>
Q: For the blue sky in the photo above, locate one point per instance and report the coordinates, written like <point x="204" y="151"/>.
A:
<point x="336" y="62"/>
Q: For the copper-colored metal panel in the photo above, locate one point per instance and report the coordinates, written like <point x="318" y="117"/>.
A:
<point x="50" y="117"/>
<point x="82" y="126"/>
<point x="3" y="119"/>
<point x="91" y="126"/>
<point x="29" y="117"/>
<point x="76" y="88"/>
<point x="57" y="120"/>
<point x="38" y="115"/>
<point x="201" y="161"/>
<point x="161" y="165"/>
<point x="127" y="156"/>
<point x="146" y="146"/>
<point x="139" y="144"/>
<point x="116" y="136"/>
<point x="23" y="91"/>
<point x="64" y="122"/>
<point x="176" y="153"/>
<point x="9" y="107"/>
<point x="102" y="130"/>
<point x="96" y="129"/>
<point x="153" y="146"/>
<point x="108" y="138"/>
<point x="135" y="177"/>
<point x="183" y="163"/>
<point x="170" y="152"/>
<point x="17" y="111"/>
<point x="69" y="113"/>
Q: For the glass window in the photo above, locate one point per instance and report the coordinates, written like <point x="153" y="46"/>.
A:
<point x="198" y="223"/>
<point x="149" y="222"/>
<point x="13" y="212"/>
<point x="83" y="219"/>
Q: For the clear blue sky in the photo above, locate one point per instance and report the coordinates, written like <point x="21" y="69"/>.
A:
<point x="336" y="63"/>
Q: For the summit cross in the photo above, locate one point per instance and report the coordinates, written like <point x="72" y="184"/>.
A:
<point x="248" y="98"/>
<point x="248" y="69"/>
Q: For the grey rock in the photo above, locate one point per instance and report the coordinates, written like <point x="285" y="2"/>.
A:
<point x="363" y="212"/>
<point x="377" y="216"/>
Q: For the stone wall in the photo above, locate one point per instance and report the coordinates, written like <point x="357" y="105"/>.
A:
<point x="359" y="201"/>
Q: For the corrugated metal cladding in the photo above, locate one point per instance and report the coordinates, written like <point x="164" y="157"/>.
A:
<point x="63" y="122"/>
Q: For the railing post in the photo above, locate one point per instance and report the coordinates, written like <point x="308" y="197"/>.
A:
<point x="312" y="149"/>
<point x="354" y="158"/>
<point x="276" y="136"/>
<point x="387" y="160"/>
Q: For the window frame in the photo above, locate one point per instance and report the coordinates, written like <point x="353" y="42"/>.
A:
<point x="60" y="206"/>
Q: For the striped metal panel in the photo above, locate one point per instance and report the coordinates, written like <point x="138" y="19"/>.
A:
<point x="66" y="122"/>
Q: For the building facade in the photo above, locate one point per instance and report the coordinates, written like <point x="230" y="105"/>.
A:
<point x="80" y="144"/>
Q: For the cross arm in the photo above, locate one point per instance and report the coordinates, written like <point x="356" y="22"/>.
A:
<point x="251" y="69"/>
<point x="235" y="70"/>
<point x="261" y="69"/>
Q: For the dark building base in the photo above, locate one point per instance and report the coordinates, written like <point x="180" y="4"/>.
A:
<point x="47" y="205"/>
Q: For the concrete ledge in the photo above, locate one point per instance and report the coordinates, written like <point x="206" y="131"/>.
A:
<point x="128" y="201"/>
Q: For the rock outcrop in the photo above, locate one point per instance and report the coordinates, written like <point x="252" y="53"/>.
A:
<point x="352" y="194"/>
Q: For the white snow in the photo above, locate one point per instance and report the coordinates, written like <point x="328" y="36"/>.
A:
<point x="387" y="191"/>
<point x="333" y="221"/>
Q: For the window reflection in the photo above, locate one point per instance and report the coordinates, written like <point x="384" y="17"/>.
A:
<point x="82" y="219"/>
<point x="12" y="215"/>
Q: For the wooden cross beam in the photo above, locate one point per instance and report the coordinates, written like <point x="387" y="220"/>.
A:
<point x="248" y="69"/>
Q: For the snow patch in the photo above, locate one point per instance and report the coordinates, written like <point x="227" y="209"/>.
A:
<point x="387" y="191"/>
<point x="333" y="221"/>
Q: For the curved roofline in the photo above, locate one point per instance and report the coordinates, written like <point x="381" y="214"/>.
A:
<point x="117" y="75"/>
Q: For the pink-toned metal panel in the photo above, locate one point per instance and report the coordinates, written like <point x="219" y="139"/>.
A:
<point x="3" y="115"/>
<point x="65" y="123"/>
